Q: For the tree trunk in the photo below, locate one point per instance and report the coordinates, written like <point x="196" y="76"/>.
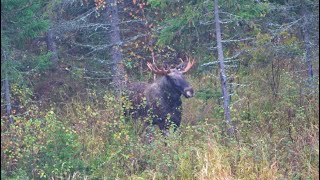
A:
<point x="154" y="62"/>
<point x="52" y="48"/>
<point x="223" y="76"/>
<point x="307" y="42"/>
<point x="118" y="68"/>
<point x="7" y="93"/>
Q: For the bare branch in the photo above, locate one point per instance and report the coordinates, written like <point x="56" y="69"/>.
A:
<point x="236" y="40"/>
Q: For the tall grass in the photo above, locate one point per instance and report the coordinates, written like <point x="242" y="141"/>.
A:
<point x="276" y="138"/>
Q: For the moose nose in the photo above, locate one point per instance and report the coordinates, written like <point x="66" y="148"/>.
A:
<point x="188" y="92"/>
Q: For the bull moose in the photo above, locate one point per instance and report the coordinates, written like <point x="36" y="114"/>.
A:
<point x="161" y="100"/>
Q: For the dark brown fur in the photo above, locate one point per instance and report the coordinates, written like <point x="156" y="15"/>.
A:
<point x="160" y="100"/>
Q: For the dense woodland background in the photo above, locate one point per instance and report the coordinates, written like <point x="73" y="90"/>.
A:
<point x="65" y="62"/>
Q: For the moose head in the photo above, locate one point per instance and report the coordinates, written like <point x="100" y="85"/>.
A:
<point x="174" y="78"/>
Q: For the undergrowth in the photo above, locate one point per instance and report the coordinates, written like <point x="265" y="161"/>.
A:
<point x="276" y="138"/>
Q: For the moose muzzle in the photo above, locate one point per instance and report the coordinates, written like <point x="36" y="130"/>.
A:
<point x="188" y="92"/>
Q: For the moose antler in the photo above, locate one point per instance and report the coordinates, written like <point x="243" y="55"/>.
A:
<point x="158" y="71"/>
<point x="189" y="65"/>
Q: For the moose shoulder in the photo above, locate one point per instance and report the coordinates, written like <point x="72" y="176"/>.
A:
<point x="161" y="100"/>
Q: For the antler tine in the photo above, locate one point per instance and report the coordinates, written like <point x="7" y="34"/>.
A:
<point x="189" y="65"/>
<point x="152" y="68"/>
<point x="156" y="70"/>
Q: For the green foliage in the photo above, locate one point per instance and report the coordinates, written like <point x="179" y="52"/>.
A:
<point x="193" y="15"/>
<point x="36" y="64"/>
<point x="42" y="147"/>
<point x="60" y="152"/>
<point x="206" y="94"/>
<point x="34" y="29"/>
<point x="128" y="64"/>
<point x="22" y="19"/>
<point x="43" y="62"/>
<point x="158" y="3"/>
<point x="12" y="68"/>
<point x="177" y="25"/>
<point x="249" y="10"/>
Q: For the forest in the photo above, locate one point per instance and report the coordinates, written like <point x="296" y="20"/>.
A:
<point x="248" y="108"/>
